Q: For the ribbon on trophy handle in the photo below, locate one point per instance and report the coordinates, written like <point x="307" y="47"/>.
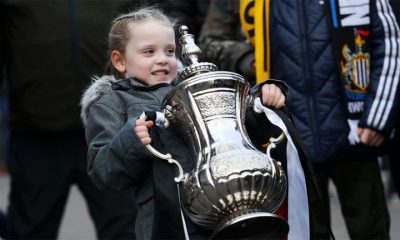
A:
<point x="272" y="142"/>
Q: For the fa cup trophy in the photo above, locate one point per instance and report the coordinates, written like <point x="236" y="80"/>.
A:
<point x="234" y="189"/>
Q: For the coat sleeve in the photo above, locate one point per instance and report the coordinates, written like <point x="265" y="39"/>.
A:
<point x="117" y="159"/>
<point x="382" y="101"/>
<point x="220" y="40"/>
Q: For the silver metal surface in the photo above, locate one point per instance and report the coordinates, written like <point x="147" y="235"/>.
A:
<point x="231" y="177"/>
<point x="190" y="54"/>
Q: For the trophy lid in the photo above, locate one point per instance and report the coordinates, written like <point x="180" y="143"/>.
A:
<point x="190" y="55"/>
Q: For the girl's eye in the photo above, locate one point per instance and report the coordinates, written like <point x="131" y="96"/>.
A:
<point x="171" y="51"/>
<point x="148" y="51"/>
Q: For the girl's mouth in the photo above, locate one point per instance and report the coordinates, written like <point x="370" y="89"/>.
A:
<point x="160" y="72"/>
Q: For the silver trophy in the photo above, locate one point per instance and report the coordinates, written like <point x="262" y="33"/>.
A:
<point x="234" y="188"/>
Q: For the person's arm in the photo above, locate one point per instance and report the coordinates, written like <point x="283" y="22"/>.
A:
<point x="220" y="39"/>
<point x="117" y="158"/>
<point x="382" y="101"/>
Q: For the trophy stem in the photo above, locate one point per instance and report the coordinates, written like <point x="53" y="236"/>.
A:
<point x="252" y="225"/>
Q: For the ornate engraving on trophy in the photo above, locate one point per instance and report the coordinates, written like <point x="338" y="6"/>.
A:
<point x="216" y="103"/>
<point x="238" y="162"/>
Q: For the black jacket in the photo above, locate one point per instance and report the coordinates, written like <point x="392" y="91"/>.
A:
<point x="50" y="49"/>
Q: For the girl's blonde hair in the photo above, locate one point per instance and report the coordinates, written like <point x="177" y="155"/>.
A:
<point x="119" y="34"/>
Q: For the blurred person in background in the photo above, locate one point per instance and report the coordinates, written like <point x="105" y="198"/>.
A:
<point x="3" y="225"/>
<point x="3" y="138"/>
<point x="3" y="131"/>
<point x="3" y="115"/>
<point x="394" y="149"/>
<point x="186" y="12"/>
<point x="50" y="50"/>
<point x="341" y="62"/>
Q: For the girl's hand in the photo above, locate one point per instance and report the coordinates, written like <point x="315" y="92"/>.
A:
<point x="272" y="96"/>
<point x="142" y="130"/>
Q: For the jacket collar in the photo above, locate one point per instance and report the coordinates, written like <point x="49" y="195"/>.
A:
<point x="135" y="83"/>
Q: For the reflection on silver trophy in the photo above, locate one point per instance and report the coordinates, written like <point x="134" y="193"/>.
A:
<point x="234" y="188"/>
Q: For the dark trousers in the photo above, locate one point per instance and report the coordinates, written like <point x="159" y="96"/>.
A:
<point x="43" y="168"/>
<point x="360" y="190"/>
<point x="394" y="158"/>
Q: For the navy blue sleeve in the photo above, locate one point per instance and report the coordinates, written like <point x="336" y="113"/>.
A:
<point x="382" y="102"/>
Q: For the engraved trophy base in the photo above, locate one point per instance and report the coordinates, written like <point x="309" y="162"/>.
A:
<point x="253" y="225"/>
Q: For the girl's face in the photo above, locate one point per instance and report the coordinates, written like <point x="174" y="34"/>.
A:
<point x="150" y="52"/>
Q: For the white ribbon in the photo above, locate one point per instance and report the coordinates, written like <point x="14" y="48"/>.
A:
<point x="298" y="212"/>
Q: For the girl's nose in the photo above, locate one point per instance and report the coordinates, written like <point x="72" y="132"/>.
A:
<point x="161" y="58"/>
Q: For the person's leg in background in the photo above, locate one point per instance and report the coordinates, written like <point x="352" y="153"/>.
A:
<point x="113" y="212"/>
<point x="4" y="131"/>
<point x="3" y="152"/>
<point x="40" y="183"/>
<point x="3" y="225"/>
<point x="321" y="217"/>
<point x="394" y="158"/>
<point x="360" y="190"/>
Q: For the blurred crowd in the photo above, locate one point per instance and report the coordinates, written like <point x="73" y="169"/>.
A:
<point x="50" y="50"/>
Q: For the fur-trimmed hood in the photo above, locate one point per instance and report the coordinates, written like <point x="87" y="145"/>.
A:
<point x="102" y="85"/>
<point x="99" y="87"/>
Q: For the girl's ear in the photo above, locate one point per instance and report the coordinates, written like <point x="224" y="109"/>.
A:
<point x="117" y="61"/>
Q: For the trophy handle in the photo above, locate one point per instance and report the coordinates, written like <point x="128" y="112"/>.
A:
<point x="160" y="120"/>
<point x="271" y="144"/>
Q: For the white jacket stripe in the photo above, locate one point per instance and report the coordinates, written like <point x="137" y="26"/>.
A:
<point x="388" y="80"/>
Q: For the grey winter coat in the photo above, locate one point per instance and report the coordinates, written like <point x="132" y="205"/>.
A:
<point x="117" y="159"/>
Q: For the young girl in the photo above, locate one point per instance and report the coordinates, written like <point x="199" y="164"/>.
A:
<point x="143" y="65"/>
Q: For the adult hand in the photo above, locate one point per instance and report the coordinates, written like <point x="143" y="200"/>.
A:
<point x="272" y="96"/>
<point x="370" y="137"/>
<point x="142" y="130"/>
